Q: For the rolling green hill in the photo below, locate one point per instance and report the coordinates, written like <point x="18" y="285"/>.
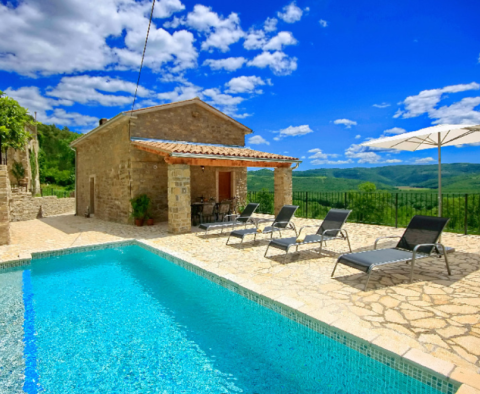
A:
<point x="456" y="178"/>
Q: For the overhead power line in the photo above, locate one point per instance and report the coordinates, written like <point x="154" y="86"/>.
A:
<point x="143" y="56"/>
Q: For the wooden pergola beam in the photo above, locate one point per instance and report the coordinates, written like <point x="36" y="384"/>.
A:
<point x="214" y="162"/>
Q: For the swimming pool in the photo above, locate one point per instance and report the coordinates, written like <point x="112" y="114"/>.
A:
<point x="125" y="320"/>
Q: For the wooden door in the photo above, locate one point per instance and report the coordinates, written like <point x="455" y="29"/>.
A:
<point x="224" y="186"/>
<point x="92" y="195"/>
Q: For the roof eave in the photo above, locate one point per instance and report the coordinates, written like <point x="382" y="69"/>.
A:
<point x="221" y="157"/>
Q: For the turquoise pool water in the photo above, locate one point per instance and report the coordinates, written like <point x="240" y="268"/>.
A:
<point x="125" y="320"/>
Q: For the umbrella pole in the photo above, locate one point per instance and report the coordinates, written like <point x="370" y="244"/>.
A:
<point x="439" y="175"/>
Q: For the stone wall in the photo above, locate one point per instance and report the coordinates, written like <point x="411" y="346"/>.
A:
<point x="105" y="157"/>
<point x="188" y="123"/>
<point x="150" y="177"/>
<point x="25" y="207"/>
<point x="5" y="192"/>
<point x="23" y="157"/>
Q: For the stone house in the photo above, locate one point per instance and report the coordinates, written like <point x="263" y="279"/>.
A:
<point x="174" y="153"/>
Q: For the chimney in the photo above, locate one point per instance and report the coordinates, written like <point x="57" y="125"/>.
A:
<point x="102" y="121"/>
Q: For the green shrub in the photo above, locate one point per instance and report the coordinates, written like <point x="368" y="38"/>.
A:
<point x="140" y="206"/>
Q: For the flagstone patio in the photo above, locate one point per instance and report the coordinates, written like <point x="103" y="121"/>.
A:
<point x="434" y="321"/>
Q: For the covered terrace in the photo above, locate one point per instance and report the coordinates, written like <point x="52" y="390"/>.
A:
<point x="213" y="171"/>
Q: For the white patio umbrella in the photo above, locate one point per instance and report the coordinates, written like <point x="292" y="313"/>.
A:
<point x="431" y="137"/>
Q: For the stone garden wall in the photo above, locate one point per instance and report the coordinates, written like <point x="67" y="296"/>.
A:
<point x="25" y="207"/>
<point x="5" y="193"/>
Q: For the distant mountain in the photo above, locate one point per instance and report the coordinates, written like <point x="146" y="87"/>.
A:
<point x="456" y="178"/>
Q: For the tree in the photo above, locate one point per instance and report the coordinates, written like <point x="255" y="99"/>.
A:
<point x="13" y="118"/>
<point x="367" y="187"/>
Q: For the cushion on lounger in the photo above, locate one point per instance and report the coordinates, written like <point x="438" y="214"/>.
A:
<point x="301" y="237"/>
<point x="206" y="226"/>
<point x="365" y="261"/>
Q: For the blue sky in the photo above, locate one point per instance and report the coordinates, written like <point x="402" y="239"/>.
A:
<point x="311" y="78"/>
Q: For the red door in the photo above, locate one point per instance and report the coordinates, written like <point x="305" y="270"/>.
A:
<point x="224" y="186"/>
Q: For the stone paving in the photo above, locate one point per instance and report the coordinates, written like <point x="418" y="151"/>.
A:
<point x="434" y="321"/>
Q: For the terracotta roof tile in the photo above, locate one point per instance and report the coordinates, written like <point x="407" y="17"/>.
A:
<point x="194" y="149"/>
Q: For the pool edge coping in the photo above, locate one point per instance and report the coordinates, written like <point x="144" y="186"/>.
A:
<point x="419" y="361"/>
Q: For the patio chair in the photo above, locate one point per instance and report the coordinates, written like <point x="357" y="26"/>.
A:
<point x="419" y="241"/>
<point x="330" y="229"/>
<point x="244" y="218"/>
<point x="223" y="210"/>
<point x="208" y="211"/>
<point x="283" y="221"/>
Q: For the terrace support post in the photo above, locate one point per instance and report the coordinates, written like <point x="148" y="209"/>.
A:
<point x="179" y="200"/>
<point x="283" y="188"/>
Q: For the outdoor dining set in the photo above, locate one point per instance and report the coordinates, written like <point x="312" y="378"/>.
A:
<point x="207" y="211"/>
<point x="421" y="238"/>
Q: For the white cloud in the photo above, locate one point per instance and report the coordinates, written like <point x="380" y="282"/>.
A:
<point x="255" y="39"/>
<point x="362" y="154"/>
<point x="180" y="93"/>
<point x="163" y="48"/>
<point x="382" y="105"/>
<point x="293" y="131"/>
<point x="257" y="140"/>
<point x="318" y="154"/>
<point x="317" y="162"/>
<point x="358" y="136"/>
<point x="221" y="32"/>
<point x="224" y="102"/>
<point x="244" y="84"/>
<point x="425" y="160"/>
<point x="61" y="117"/>
<point x="323" y="22"/>
<point x="270" y="24"/>
<point x="166" y="8"/>
<point x="31" y="98"/>
<point x="398" y="113"/>
<point x="392" y="131"/>
<point x="279" y="62"/>
<point x="174" y="23"/>
<point x="461" y="112"/>
<point x="71" y="36"/>
<point x="229" y="64"/>
<point x="426" y="102"/>
<point x="277" y="43"/>
<point x="395" y="130"/>
<point x="291" y="13"/>
<point x="365" y="154"/>
<point x="346" y="122"/>
<point x="85" y="89"/>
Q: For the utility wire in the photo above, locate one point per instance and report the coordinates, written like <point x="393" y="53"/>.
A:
<point x="136" y="88"/>
<point x="141" y="64"/>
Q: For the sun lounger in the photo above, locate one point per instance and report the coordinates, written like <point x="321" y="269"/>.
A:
<point x="330" y="230"/>
<point x="281" y="222"/>
<point x="420" y="240"/>
<point x="244" y="218"/>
